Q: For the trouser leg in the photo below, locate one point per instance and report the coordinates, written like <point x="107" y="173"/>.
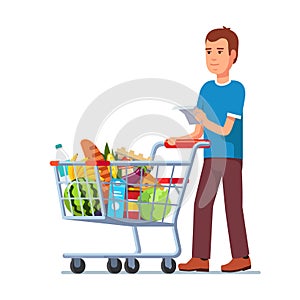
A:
<point x="233" y="197"/>
<point x="203" y="208"/>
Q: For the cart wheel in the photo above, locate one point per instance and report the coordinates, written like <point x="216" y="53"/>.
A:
<point x="133" y="270"/>
<point x="77" y="265"/>
<point x="166" y="269"/>
<point x="114" y="265"/>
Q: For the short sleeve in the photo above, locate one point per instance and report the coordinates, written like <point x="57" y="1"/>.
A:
<point x="237" y="100"/>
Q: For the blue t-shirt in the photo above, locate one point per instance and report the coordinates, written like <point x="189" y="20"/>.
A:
<point x="218" y="102"/>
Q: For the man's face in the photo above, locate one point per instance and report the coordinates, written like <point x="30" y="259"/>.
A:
<point x="218" y="60"/>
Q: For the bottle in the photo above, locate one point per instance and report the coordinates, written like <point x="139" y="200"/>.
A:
<point x="61" y="155"/>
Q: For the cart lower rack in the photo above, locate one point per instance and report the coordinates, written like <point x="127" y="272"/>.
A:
<point x="154" y="202"/>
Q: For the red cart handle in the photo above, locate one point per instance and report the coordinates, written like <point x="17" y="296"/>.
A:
<point x="188" y="143"/>
<point x="99" y="163"/>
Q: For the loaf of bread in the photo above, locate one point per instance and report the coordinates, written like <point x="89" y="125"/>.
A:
<point x="91" y="152"/>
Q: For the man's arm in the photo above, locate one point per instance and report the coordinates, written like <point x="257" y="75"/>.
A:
<point x="221" y="130"/>
<point x="197" y="133"/>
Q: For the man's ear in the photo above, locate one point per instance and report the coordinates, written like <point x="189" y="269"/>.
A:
<point x="233" y="55"/>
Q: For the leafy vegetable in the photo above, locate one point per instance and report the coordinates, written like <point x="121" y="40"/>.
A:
<point x="154" y="209"/>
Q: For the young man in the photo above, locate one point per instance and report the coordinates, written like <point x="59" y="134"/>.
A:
<point x="220" y="115"/>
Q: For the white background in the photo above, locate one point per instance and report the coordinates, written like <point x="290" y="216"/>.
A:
<point x="58" y="56"/>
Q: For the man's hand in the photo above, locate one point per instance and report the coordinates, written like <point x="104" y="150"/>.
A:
<point x="216" y="128"/>
<point x="200" y="115"/>
<point x="172" y="141"/>
<point x="198" y="132"/>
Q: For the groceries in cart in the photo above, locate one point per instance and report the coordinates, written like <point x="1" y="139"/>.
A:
<point x="111" y="183"/>
<point x="119" y="187"/>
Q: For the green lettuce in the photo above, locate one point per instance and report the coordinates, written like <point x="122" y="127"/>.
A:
<point x="159" y="207"/>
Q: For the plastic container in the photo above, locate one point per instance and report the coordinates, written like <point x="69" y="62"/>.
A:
<point x="62" y="155"/>
<point x="116" y="198"/>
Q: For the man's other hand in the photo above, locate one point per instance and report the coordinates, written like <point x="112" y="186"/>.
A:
<point x="200" y="115"/>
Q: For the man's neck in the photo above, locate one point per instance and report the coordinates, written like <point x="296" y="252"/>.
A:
<point x="221" y="79"/>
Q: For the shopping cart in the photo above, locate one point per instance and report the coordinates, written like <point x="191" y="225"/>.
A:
<point x="122" y="202"/>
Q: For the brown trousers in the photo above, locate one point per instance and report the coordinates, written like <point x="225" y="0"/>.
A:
<point x="213" y="170"/>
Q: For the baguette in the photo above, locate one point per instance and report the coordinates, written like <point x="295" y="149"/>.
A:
<point x="92" y="152"/>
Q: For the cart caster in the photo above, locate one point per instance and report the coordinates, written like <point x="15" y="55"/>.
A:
<point x="132" y="265"/>
<point x="77" y="265"/>
<point x="168" y="265"/>
<point x="114" y="265"/>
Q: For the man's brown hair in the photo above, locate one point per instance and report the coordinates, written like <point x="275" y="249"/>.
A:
<point x="225" y="33"/>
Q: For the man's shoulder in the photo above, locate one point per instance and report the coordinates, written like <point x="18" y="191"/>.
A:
<point x="237" y="84"/>
<point x="208" y="85"/>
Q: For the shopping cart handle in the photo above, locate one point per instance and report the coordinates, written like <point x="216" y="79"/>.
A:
<point x="188" y="143"/>
<point x="99" y="163"/>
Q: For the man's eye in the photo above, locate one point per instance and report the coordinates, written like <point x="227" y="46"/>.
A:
<point x="208" y="52"/>
<point x="220" y="52"/>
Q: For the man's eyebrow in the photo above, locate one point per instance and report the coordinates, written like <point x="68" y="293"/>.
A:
<point x="220" y="48"/>
<point x="207" y="48"/>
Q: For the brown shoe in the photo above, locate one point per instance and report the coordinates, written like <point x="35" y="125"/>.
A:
<point x="237" y="264"/>
<point x="195" y="264"/>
